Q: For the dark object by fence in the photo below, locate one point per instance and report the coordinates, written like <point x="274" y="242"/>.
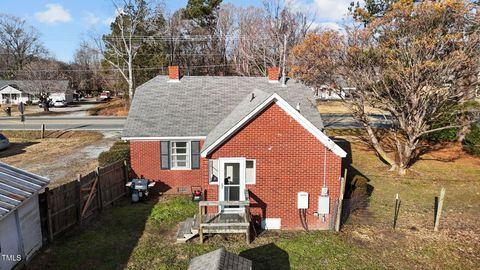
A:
<point x="74" y="202"/>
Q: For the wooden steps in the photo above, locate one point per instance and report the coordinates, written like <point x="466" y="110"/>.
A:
<point x="184" y="232"/>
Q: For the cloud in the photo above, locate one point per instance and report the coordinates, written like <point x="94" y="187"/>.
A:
<point x="91" y="19"/>
<point x="334" y="10"/>
<point x="55" y="13"/>
<point x="329" y="26"/>
<point x="324" y="10"/>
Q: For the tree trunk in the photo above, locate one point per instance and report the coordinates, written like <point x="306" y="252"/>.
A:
<point x="462" y="132"/>
<point x="378" y="148"/>
<point x="406" y="157"/>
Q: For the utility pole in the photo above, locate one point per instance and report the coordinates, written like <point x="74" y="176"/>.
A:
<point x="284" y="77"/>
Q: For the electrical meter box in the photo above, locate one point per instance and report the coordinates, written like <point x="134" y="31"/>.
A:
<point x="302" y="200"/>
<point x="323" y="205"/>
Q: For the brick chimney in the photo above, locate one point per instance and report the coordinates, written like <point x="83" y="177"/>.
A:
<point x="174" y="73"/>
<point x="273" y="74"/>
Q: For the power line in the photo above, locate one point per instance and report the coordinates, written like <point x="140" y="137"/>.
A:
<point x="112" y="69"/>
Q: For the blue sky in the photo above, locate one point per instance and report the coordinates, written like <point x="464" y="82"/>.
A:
<point x="64" y="23"/>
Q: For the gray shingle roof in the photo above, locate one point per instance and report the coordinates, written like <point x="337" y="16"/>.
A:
<point x="26" y="85"/>
<point x="196" y="105"/>
<point x="16" y="186"/>
<point x="220" y="260"/>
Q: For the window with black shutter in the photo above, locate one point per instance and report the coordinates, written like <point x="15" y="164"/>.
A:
<point x="195" y="154"/>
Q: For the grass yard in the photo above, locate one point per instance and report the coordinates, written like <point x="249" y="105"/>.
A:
<point x="142" y="236"/>
<point x="334" y="107"/>
<point x="113" y="107"/>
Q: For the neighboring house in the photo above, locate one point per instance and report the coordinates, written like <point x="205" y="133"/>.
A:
<point x="228" y="134"/>
<point x="11" y="95"/>
<point x="16" y="91"/>
<point x="20" y="228"/>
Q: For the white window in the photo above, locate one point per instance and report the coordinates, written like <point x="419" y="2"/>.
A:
<point x="250" y="173"/>
<point x="180" y="155"/>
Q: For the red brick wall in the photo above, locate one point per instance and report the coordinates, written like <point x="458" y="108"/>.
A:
<point x="145" y="159"/>
<point x="289" y="159"/>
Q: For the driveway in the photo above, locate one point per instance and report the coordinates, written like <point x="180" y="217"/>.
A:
<point x="61" y="156"/>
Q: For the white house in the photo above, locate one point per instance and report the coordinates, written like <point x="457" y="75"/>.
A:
<point x="20" y="228"/>
<point x="12" y="95"/>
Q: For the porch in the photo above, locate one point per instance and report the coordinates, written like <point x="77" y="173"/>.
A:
<point x="223" y="222"/>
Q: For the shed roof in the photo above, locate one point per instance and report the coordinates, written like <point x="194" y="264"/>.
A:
<point x="16" y="186"/>
<point x="196" y="104"/>
<point x="220" y="259"/>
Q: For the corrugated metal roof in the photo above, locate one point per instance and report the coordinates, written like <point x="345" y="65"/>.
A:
<point x="16" y="186"/>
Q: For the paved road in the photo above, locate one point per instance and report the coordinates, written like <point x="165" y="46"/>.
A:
<point x="100" y="123"/>
<point x="63" y="123"/>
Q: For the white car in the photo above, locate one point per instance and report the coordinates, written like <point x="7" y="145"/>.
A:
<point x="59" y="103"/>
<point x="4" y="143"/>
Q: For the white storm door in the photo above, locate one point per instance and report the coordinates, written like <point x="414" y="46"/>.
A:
<point x="231" y="182"/>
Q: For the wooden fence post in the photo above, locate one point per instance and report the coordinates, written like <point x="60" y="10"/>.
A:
<point x="78" y="187"/>
<point x="397" y="210"/>
<point x="340" y="203"/>
<point x="125" y="172"/>
<point x="99" y="189"/>
<point x="49" y="215"/>
<point x="43" y="131"/>
<point x="439" y="209"/>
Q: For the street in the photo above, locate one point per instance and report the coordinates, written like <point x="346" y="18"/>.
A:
<point x="98" y="123"/>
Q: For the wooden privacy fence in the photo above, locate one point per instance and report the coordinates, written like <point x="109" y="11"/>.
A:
<point x="74" y="202"/>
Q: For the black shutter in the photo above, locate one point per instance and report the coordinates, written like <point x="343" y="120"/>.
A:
<point x="165" y="155"/>
<point x="195" y="155"/>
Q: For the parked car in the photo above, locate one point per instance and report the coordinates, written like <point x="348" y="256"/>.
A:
<point x="105" y="95"/>
<point x="4" y="143"/>
<point x="60" y="103"/>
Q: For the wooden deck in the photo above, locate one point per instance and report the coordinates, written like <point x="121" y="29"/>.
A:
<point x="223" y="222"/>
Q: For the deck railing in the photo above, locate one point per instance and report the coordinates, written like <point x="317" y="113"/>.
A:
<point x="225" y="227"/>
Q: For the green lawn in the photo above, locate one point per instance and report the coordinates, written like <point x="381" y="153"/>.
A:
<point x="142" y="236"/>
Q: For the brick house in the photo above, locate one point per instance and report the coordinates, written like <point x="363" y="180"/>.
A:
<point x="224" y="135"/>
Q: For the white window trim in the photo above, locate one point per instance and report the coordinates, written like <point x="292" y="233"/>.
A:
<point x="190" y="138"/>
<point x="218" y="172"/>
<point x="254" y="172"/>
<point x="189" y="155"/>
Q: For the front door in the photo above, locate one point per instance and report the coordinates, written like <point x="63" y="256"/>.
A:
<point x="232" y="182"/>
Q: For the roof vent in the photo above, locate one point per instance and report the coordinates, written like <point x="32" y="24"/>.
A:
<point x="273" y="74"/>
<point x="298" y="107"/>
<point x="253" y="96"/>
<point x="173" y="74"/>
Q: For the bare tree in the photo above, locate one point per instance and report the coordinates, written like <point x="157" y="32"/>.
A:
<point x="43" y="77"/>
<point x="87" y="65"/>
<point x="19" y="42"/>
<point x="120" y="47"/>
<point x="262" y="33"/>
<point x="415" y="63"/>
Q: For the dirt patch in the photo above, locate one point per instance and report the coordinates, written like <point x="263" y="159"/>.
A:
<point x="114" y="107"/>
<point x="61" y="156"/>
